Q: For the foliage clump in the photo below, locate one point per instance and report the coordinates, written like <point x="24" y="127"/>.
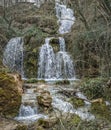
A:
<point x="94" y="88"/>
<point x="77" y="102"/>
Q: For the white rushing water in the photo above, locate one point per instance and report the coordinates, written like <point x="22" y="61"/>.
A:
<point x="61" y="104"/>
<point x="28" y="111"/>
<point x="29" y="108"/>
<point x="13" y="55"/>
<point x="55" y="66"/>
<point x="65" y="17"/>
<point x="46" y="61"/>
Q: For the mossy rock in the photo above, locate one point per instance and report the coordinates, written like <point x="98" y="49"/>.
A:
<point x="55" y="44"/>
<point x="101" y="110"/>
<point x="77" y="102"/>
<point x="47" y="123"/>
<point x="33" y="40"/>
<point x="34" y="80"/>
<point x="10" y="98"/>
<point x="22" y="127"/>
<point x="62" y="82"/>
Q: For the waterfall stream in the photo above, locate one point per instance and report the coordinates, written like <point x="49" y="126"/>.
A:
<point x="65" y="17"/>
<point x="28" y="111"/>
<point x="29" y="108"/>
<point x="55" y="66"/>
<point x="13" y="55"/>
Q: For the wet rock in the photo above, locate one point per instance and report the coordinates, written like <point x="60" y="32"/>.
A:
<point x="47" y="123"/>
<point x="10" y="94"/>
<point x="44" y="98"/>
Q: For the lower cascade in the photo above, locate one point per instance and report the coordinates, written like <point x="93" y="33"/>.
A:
<point x="28" y="111"/>
<point x="55" y="66"/>
<point x="30" y="108"/>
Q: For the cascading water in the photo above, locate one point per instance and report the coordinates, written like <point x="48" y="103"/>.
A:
<point x="46" y="61"/>
<point x="64" y="63"/>
<point x="65" y="17"/>
<point x="51" y="66"/>
<point x="13" y="55"/>
<point x="28" y="111"/>
<point x="62" y="44"/>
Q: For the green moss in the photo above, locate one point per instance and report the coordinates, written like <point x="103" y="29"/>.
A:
<point x="75" y="120"/>
<point x="77" y="102"/>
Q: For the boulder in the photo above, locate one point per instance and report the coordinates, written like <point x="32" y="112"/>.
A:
<point x="10" y="94"/>
<point x="44" y="98"/>
<point x="47" y="123"/>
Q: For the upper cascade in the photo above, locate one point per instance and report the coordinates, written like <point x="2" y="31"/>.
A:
<point x="13" y="55"/>
<point x="55" y="66"/>
<point x="65" y="17"/>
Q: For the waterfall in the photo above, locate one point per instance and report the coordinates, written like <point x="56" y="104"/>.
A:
<point x="64" y="66"/>
<point x="64" y="63"/>
<point x="46" y="67"/>
<point x="55" y="66"/>
<point x="13" y="55"/>
<point x="65" y="17"/>
<point x="62" y="44"/>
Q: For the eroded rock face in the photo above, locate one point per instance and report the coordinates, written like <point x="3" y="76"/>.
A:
<point x="10" y="94"/>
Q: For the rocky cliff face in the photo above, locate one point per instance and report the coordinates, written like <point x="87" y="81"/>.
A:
<point x="10" y="94"/>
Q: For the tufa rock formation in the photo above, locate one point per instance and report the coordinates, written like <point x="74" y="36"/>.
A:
<point x="10" y="94"/>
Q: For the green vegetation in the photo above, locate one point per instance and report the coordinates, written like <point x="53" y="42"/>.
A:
<point x="77" y="102"/>
<point x="94" y="88"/>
